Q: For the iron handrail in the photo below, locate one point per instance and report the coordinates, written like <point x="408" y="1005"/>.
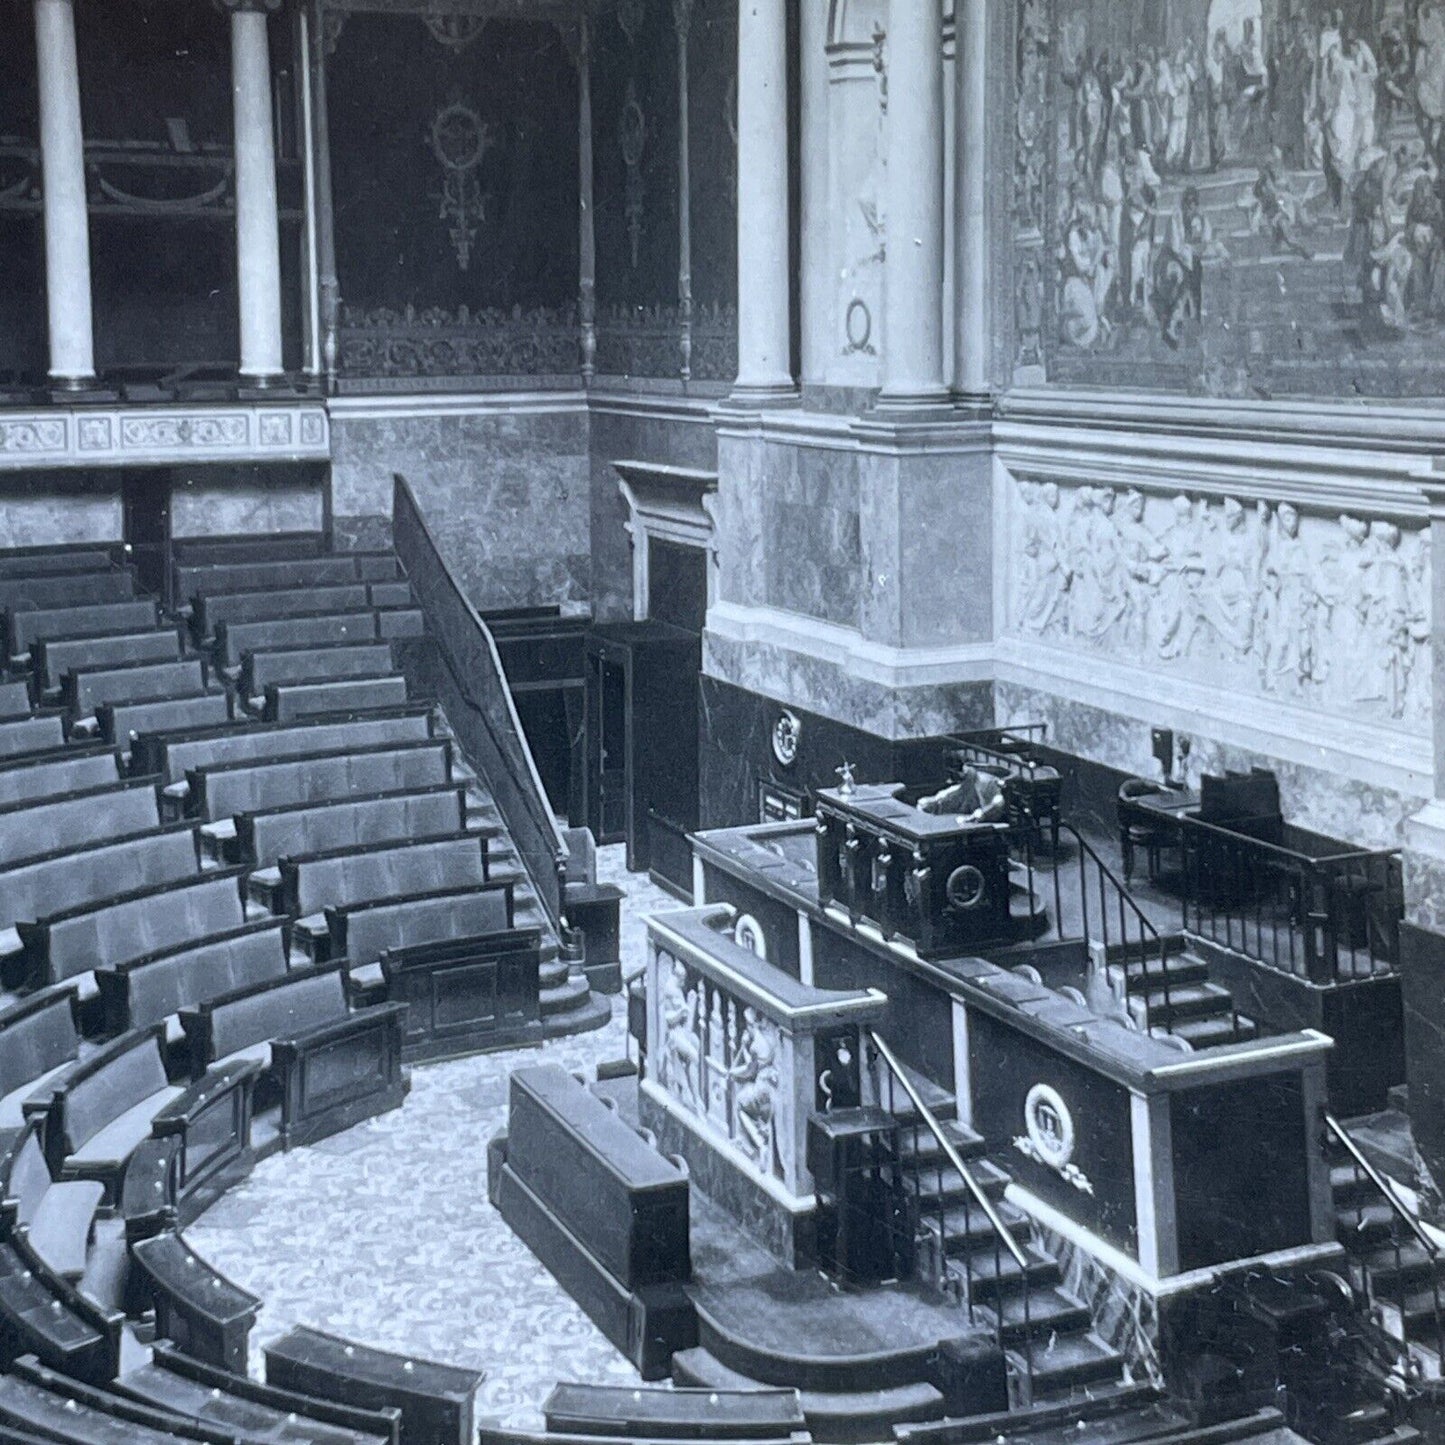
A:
<point x="1294" y="855"/>
<point x="1358" y="1158"/>
<point x="955" y="1159"/>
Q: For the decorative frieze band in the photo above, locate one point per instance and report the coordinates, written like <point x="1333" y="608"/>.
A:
<point x="105" y="436"/>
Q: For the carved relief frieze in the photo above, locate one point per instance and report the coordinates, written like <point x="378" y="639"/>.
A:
<point x="1331" y="611"/>
<point x="31" y="436"/>
<point x="1028" y="185"/>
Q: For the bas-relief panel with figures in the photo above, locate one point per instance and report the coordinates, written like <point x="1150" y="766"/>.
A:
<point x="1330" y="612"/>
<point x="1236" y="197"/>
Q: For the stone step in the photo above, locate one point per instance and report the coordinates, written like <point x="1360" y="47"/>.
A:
<point x="996" y="1274"/>
<point x="1066" y="1363"/>
<point x="564" y="996"/>
<point x="965" y="1225"/>
<point x="1211" y="1033"/>
<point x="592" y="1013"/>
<point x="1192" y="1000"/>
<point x="1050" y="1311"/>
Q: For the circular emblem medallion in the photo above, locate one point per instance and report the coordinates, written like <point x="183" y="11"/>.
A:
<point x="965" y="887"/>
<point x="1050" y="1126"/>
<point x="748" y="934"/>
<point x="787" y="732"/>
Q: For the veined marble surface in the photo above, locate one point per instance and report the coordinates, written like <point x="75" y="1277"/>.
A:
<point x="384" y="1234"/>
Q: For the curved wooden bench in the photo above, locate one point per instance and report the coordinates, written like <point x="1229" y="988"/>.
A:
<point x="33" y="828"/>
<point x="19" y="594"/>
<point x="436" y="1401"/>
<point x="330" y="1064"/>
<point x="92" y="619"/>
<point x="126" y="926"/>
<point x="31" y="734"/>
<point x="210" y="1121"/>
<point x="298" y="830"/>
<point x="157" y="986"/>
<point x="301" y="664"/>
<point x="172" y="753"/>
<point x="52" y="657"/>
<point x="210" y="611"/>
<point x="363" y="932"/>
<point x="680" y="1414"/>
<point x="344" y="877"/>
<point x="52" y="561"/>
<point x="148" y="1191"/>
<point x="172" y="1380"/>
<point x="122" y="722"/>
<point x="285" y="701"/>
<point x="235" y="638"/>
<point x="217" y="578"/>
<point x="73" y="877"/>
<point x="222" y="790"/>
<point x="54" y="1217"/>
<point x="53" y="773"/>
<point x="39" y="1041"/>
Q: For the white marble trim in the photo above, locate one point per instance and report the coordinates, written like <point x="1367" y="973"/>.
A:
<point x="476" y="403"/>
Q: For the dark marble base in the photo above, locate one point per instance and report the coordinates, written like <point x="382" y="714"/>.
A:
<point x="736" y="760"/>
<point x="786" y="1236"/>
<point x="1422" y="977"/>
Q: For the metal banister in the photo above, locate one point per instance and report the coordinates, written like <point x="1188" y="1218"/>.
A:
<point x="1359" y="1160"/>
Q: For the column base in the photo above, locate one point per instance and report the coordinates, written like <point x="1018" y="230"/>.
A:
<point x="781" y="391"/>
<point x="976" y="405"/>
<point x="268" y="381"/>
<point x="88" y="382"/>
<point x="914" y="400"/>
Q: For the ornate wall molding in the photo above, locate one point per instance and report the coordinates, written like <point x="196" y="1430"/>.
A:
<point x="140" y="435"/>
<point x="437" y="343"/>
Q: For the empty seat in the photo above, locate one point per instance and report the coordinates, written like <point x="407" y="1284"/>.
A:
<point x="174" y="754"/>
<point x="209" y="612"/>
<point x="85" y="691"/>
<point x="104" y="1108"/>
<point x="32" y="777"/>
<point x="300" y="829"/>
<point x="31" y="735"/>
<point x="312" y="664"/>
<point x="274" y="546"/>
<point x="122" y="722"/>
<point x="361" y="933"/>
<point x="53" y="657"/>
<point x="386" y="870"/>
<point x="130" y="925"/>
<point x="217" y="578"/>
<point x="38" y="1041"/>
<point x="92" y="619"/>
<point x="75" y="876"/>
<point x="33" y="829"/>
<point x="223" y="790"/>
<point x="285" y="701"/>
<point x="14" y="700"/>
<point x="56" y="1217"/>
<point x="149" y="990"/>
<point x="233" y="639"/>
<point x="46" y="1415"/>
<point x="194" y="1303"/>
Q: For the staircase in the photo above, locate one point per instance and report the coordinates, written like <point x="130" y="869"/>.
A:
<point x="1396" y="1268"/>
<point x="1171" y="992"/>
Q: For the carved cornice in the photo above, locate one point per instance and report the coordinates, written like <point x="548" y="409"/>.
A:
<point x="142" y="435"/>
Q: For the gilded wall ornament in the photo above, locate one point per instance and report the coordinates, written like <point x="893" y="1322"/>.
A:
<point x="460" y="140"/>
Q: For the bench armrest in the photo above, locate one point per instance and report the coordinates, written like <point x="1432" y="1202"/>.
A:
<point x="335" y="1029"/>
<point x="181" y="1111"/>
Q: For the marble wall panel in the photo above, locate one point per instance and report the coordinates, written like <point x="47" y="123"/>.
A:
<point x="505" y="492"/>
<point x="211" y="501"/>
<point x="1320" y="799"/>
<point x="45" y="511"/>
<point x="677" y="436"/>
<point x="814" y="564"/>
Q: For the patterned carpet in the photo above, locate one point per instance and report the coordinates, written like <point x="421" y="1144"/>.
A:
<point x="384" y="1233"/>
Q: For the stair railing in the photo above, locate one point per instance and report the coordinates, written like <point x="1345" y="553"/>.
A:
<point x="487" y="726"/>
<point x="1402" y="1223"/>
<point x="975" y="1197"/>
<point x="1109" y="916"/>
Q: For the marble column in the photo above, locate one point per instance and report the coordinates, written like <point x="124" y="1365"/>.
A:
<point x="67" y="224"/>
<point x="587" y="234"/>
<point x="971" y="332"/>
<point x="913" y="209"/>
<point x="814" y="217"/>
<point x="764" y="281"/>
<point x="258" y="241"/>
<point x="310" y="240"/>
<point x="682" y="21"/>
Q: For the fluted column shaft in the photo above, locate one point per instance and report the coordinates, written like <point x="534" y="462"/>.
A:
<point x="258" y="241"/>
<point x="913" y="219"/>
<point x="971" y="372"/>
<point x="67" y="224"/>
<point x="764" y="283"/>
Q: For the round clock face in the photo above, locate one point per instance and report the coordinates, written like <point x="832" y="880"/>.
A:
<point x="787" y="732"/>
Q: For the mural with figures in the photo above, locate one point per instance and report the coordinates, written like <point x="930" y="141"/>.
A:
<point x="1236" y="197"/>
<point x="1332" y="612"/>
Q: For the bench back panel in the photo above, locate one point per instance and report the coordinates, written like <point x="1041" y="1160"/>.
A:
<point x="93" y="619"/>
<point x="158" y="987"/>
<point x="56" y="823"/>
<point x="36" y="1036"/>
<point x="14" y="699"/>
<point x="48" y="563"/>
<point x="122" y="722"/>
<point x="69" y="879"/>
<point x="106" y="1087"/>
<point x="359" y="694"/>
<point x="362" y="934"/>
<point x="56" y="775"/>
<point x="251" y="787"/>
<point x="29" y="1175"/>
<point x="18" y="594"/>
<point x="297" y="664"/>
<point x="238" y="607"/>
<point x="85" y="691"/>
<point x="173" y="757"/>
<point x="53" y="658"/>
<point x="217" y="578"/>
<point x="423" y="866"/>
<point x="294" y="832"/>
<point x="293" y="1006"/>
<point x="233" y="639"/>
<point x="30" y="735"/>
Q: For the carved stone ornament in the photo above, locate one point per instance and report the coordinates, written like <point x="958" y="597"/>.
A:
<point x="787" y="733"/>
<point x="1050" y="1136"/>
<point x="748" y="933"/>
<point x="460" y="140"/>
